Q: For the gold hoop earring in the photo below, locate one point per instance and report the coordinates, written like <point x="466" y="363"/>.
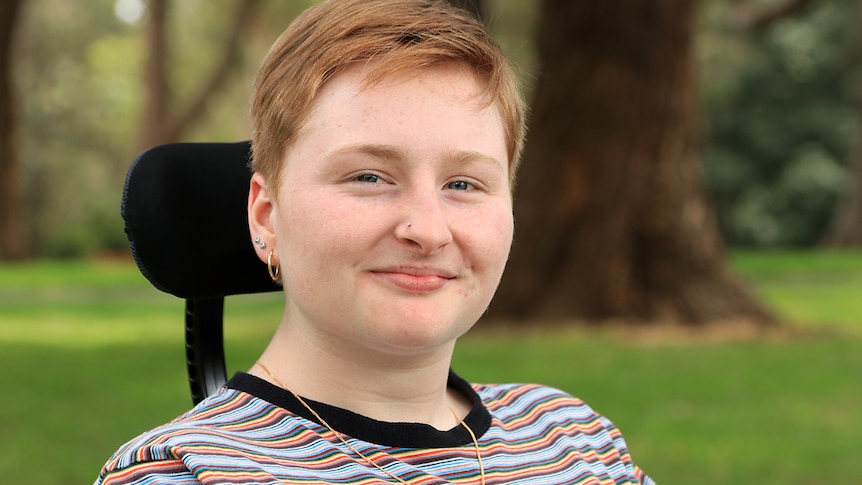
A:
<point x="273" y="273"/>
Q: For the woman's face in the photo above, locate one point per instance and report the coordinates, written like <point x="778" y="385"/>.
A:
<point x="393" y="221"/>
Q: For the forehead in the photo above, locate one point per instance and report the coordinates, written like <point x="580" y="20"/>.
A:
<point x="432" y="98"/>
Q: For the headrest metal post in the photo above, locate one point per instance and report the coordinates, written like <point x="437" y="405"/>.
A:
<point x="205" y="346"/>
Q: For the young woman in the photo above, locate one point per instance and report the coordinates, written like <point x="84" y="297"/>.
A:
<point x="387" y="136"/>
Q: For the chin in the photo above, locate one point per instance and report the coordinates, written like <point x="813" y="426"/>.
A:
<point x="413" y="333"/>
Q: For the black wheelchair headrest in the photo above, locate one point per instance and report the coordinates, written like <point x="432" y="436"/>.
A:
<point x="184" y="206"/>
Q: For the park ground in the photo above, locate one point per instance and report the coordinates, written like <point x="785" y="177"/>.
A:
<point x="93" y="355"/>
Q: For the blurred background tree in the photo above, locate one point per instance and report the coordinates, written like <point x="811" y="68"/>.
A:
<point x="612" y="219"/>
<point x="779" y="109"/>
<point x="167" y="118"/>
<point x="13" y="242"/>
<point x="84" y="74"/>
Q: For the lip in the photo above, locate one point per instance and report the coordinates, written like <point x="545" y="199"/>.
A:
<point x="415" y="279"/>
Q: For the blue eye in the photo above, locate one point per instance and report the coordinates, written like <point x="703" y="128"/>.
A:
<point x="458" y="185"/>
<point x="368" y="178"/>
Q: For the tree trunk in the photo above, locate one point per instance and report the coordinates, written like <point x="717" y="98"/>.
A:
<point x="846" y="230"/>
<point x="162" y="123"/>
<point x="762" y="17"/>
<point x="611" y="217"/>
<point x="157" y="93"/>
<point x="13" y="237"/>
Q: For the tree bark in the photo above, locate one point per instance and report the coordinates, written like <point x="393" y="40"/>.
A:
<point x="13" y="238"/>
<point x="758" y="19"/>
<point x="157" y="92"/>
<point x="161" y="124"/>
<point x="611" y="217"/>
<point x="846" y="229"/>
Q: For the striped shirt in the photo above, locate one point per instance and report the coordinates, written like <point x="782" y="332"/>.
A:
<point x="254" y="432"/>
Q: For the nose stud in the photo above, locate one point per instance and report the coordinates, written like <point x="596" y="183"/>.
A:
<point x="409" y="224"/>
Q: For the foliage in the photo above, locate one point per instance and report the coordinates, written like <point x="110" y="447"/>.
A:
<point x="77" y="112"/>
<point x="81" y="81"/>
<point x="781" y="108"/>
<point x="101" y="359"/>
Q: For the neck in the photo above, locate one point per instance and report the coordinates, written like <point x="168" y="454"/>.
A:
<point x="393" y="388"/>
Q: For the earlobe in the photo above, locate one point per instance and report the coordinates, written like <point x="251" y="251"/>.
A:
<point x="261" y="209"/>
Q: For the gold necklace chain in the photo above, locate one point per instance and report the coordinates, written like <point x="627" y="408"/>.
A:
<point x="359" y="453"/>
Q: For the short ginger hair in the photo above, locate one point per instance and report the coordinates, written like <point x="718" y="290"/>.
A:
<point x="398" y="36"/>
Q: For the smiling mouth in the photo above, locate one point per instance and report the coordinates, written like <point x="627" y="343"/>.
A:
<point x="413" y="282"/>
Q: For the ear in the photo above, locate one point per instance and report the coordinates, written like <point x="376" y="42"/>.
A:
<point x="262" y="212"/>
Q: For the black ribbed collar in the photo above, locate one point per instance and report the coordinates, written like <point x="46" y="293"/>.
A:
<point x="401" y="435"/>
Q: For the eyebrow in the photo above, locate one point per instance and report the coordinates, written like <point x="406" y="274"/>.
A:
<point x="395" y="154"/>
<point x="466" y="156"/>
<point x="385" y="152"/>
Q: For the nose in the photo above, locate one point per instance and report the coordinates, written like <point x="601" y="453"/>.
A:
<point x="425" y="225"/>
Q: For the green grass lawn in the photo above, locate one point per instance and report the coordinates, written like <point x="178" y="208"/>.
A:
<point x="93" y="355"/>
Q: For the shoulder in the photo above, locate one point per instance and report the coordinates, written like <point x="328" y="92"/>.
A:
<point x="214" y="425"/>
<point x="544" y="420"/>
<point x="551" y="427"/>
<point x="545" y="409"/>
<point x="519" y="399"/>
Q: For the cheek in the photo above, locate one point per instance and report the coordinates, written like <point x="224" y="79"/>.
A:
<point x="488" y="250"/>
<point x="302" y="240"/>
<point x="319" y="233"/>
<point x="490" y="242"/>
<point x="502" y="223"/>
